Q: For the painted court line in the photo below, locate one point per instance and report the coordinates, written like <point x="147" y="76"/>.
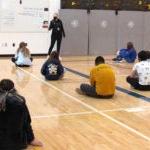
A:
<point x="80" y="60"/>
<point x="90" y="107"/>
<point x="135" y="110"/>
<point x="129" y="109"/>
<point x="63" y="114"/>
<point x="120" y="89"/>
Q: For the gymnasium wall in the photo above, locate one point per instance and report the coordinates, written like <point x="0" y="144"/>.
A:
<point x="100" y="32"/>
<point x="38" y="42"/>
<point x="107" y="30"/>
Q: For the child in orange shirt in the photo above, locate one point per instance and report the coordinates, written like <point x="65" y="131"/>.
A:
<point x="102" y="79"/>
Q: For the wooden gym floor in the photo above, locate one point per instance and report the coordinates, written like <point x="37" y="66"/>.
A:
<point x="65" y="120"/>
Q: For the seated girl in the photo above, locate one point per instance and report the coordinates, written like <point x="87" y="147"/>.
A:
<point x="22" y="57"/>
<point x="52" y="68"/>
<point x="129" y="54"/>
<point x="15" y="122"/>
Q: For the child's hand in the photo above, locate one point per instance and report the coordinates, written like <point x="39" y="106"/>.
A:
<point x="36" y="142"/>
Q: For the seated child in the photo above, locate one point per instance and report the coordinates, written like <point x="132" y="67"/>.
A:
<point x="15" y="122"/>
<point x="140" y="76"/>
<point x="102" y="79"/>
<point x="22" y="57"/>
<point x="52" y="68"/>
<point x="129" y="54"/>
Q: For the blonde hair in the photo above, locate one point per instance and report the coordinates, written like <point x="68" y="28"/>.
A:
<point x="23" y="49"/>
<point x="56" y="15"/>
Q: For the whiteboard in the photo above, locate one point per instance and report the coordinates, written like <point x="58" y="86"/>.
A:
<point x="24" y="15"/>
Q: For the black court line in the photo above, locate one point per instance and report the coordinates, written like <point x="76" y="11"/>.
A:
<point x="131" y="93"/>
<point x="113" y="64"/>
<point x="74" y="60"/>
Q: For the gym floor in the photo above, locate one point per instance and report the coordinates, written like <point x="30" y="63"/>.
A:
<point x="64" y="120"/>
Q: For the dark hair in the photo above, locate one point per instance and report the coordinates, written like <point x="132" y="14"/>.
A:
<point x="148" y="54"/>
<point x="142" y="55"/>
<point x="6" y="85"/>
<point x="99" y="60"/>
<point x="130" y="45"/>
<point x="54" y="55"/>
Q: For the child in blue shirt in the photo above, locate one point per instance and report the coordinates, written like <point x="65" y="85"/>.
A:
<point x="52" y="68"/>
<point x="129" y="54"/>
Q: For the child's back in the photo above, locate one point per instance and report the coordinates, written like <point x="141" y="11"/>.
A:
<point x="15" y="122"/>
<point x="52" y="68"/>
<point x="23" y="60"/>
<point x="104" y="79"/>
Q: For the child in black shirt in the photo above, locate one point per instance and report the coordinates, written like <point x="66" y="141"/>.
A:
<point x="15" y="123"/>
<point x="52" y="68"/>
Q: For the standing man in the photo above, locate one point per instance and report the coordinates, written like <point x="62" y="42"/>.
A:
<point x="57" y="32"/>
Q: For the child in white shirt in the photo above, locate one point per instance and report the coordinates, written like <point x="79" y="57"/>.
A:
<point x="22" y="57"/>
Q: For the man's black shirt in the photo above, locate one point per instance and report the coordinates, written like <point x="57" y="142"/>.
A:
<point x="57" y="27"/>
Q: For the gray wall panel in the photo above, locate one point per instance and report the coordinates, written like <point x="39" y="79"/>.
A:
<point x="146" y="31"/>
<point x="76" y="28"/>
<point x="107" y="32"/>
<point x="103" y="32"/>
<point x="130" y="28"/>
